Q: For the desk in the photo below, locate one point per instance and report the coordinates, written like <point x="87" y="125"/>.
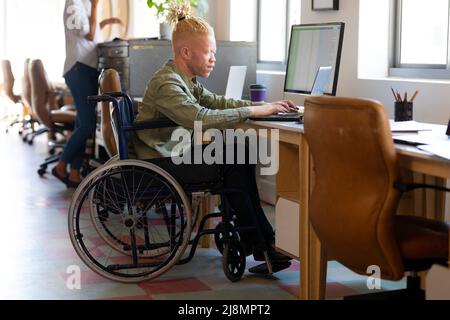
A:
<point x="294" y="182"/>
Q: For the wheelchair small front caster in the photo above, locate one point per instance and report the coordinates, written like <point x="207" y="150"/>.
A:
<point x="233" y="261"/>
<point x="218" y="237"/>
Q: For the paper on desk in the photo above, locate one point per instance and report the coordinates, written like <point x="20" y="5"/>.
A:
<point x="441" y="149"/>
<point x="419" y="139"/>
<point x="409" y="126"/>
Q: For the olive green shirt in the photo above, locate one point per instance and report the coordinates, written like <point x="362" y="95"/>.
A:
<point x="171" y="94"/>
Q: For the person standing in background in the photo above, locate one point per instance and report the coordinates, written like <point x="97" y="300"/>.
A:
<point x="81" y="76"/>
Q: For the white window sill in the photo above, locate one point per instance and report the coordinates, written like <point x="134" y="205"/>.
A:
<point x="406" y="80"/>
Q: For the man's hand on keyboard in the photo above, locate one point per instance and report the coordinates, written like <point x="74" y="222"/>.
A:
<point x="284" y="106"/>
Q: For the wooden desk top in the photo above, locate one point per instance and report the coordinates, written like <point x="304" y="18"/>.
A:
<point x="282" y="125"/>
<point x="404" y="151"/>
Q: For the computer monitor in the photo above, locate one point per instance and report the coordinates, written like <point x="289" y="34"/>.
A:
<point x="313" y="46"/>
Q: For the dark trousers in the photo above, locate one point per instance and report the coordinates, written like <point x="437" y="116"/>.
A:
<point x="82" y="81"/>
<point x="240" y="177"/>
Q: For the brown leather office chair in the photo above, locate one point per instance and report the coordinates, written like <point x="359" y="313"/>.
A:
<point x="8" y="89"/>
<point x="109" y="81"/>
<point x="46" y="111"/>
<point x="8" y="81"/>
<point x="356" y="193"/>
<point x="26" y="85"/>
<point x="30" y="133"/>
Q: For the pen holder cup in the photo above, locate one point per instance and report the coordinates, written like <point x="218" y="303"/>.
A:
<point x="403" y="111"/>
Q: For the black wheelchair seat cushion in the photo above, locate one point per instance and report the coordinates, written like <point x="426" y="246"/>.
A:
<point x="190" y="174"/>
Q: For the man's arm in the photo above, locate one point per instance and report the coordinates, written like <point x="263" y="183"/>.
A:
<point x="175" y="104"/>
<point x="178" y="106"/>
<point x="214" y="101"/>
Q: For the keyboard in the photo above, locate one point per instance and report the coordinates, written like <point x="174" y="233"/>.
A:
<point x="287" y="117"/>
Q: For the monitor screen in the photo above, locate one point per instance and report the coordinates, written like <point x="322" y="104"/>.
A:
<point x="313" y="46"/>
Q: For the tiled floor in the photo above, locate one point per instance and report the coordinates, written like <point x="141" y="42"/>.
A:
<point x="37" y="253"/>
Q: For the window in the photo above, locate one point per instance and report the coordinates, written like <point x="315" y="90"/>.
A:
<point x="243" y="20"/>
<point x="422" y="39"/>
<point x="143" y="24"/>
<point x="2" y="28"/>
<point x="275" y="19"/>
<point x="38" y="34"/>
<point x="270" y="25"/>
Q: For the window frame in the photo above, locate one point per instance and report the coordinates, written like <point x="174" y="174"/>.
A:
<point x="425" y="71"/>
<point x="273" y="65"/>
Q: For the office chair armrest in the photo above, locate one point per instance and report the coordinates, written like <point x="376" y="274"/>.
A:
<point x="407" y="187"/>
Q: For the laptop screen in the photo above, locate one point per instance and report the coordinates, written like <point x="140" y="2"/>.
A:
<point x="321" y="81"/>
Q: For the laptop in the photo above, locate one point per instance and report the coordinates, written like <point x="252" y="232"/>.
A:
<point x="236" y="81"/>
<point x="318" y="89"/>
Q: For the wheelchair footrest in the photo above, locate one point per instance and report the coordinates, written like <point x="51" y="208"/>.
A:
<point x="263" y="268"/>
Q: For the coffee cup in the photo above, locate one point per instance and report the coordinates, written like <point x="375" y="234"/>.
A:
<point x="258" y="93"/>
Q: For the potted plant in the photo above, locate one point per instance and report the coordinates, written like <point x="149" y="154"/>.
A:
<point x="160" y="8"/>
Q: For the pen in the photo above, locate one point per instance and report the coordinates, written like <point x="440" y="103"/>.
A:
<point x="414" y="96"/>
<point x="395" y="96"/>
<point x="399" y="97"/>
<point x="406" y="97"/>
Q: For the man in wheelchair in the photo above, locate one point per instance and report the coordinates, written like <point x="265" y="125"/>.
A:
<point x="174" y="93"/>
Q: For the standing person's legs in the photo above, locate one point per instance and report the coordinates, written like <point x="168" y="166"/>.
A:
<point x="82" y="81"/>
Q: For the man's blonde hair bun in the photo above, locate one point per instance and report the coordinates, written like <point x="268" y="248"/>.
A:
<point x="182" y="17"/>
<point x="179" y="10"/>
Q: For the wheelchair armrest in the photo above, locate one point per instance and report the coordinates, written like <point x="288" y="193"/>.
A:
<point x="407" y="187"/>
<point x="154" y="124"/>
<point x="137" y="125"/>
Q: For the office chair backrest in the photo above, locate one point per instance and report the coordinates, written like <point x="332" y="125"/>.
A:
<point x="8" y="81"/>
<point x="353" y="202"/>
<point x="40" y="92"/>
<point x="26" y="85"/>
<point x="109" y="81"/>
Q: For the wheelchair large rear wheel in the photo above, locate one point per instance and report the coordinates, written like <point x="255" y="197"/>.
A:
<point x="130" y="221"/>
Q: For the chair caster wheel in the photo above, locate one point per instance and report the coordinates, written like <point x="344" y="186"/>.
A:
<point x="41" y="172"/>
<point x="233" y="261"/>
<point x="30" y="142"/>
<point x="52" y="152"/>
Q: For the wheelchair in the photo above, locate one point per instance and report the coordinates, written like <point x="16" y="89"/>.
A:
<point x="131" y="221"/>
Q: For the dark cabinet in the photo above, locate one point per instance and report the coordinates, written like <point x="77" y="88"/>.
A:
<point x="115" y="55"/>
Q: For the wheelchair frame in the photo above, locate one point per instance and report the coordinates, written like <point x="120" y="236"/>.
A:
<point x="95" y="193"/>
